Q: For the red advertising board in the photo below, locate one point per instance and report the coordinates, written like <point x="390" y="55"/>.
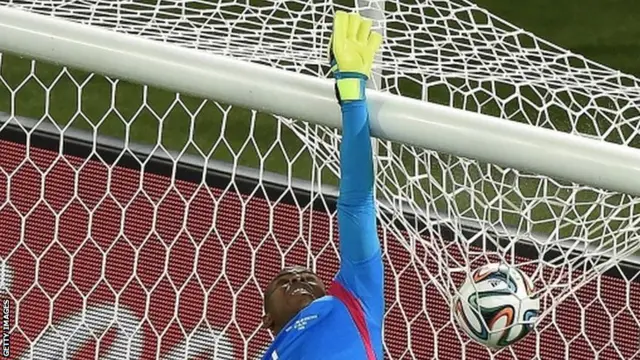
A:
<point x="109" y="262"/>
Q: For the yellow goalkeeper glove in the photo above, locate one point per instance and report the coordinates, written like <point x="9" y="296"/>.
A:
<point x="351" y="52"/>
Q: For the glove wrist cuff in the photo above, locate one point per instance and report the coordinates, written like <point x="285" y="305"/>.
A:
<point x="351" y="89"/>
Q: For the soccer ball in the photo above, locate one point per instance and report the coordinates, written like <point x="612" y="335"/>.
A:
<point x="496" y="306"/>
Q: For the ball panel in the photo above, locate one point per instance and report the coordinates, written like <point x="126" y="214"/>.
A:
<point x="471" y="321"/>
<point x="502" y="319"/>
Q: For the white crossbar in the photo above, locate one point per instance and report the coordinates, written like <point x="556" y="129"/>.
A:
<point x="485" y="138"/>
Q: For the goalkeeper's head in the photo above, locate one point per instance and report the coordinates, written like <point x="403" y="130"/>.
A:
<point x="289" y="292"/>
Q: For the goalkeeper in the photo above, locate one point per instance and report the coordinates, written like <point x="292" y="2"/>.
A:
<point x="345" y="320"/>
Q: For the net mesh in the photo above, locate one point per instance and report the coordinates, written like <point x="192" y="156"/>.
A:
<point x="182" y="263"/>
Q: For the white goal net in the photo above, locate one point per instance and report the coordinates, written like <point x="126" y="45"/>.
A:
<point x="142" y="244"/>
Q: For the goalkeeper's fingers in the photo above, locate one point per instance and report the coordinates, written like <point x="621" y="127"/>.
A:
<point x="354" y="25"/>
<point x="364" y="30"/>
<point x="375" y="40"/>
<point x="340" y="25"/>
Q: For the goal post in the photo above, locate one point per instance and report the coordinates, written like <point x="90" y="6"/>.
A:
<point x="400" y="119"/>
<point x="494" y="146"/>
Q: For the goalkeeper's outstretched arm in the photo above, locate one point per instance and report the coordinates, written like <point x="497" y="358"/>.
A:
<point x="359" y="283"/>
<point x="352" y="317"/>
<point x="356" y="207"/>
<point x="352" y="51"/>
<point x="361" y="272"/>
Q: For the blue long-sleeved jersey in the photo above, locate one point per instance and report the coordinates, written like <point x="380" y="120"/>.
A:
<point x="347" y="323"/>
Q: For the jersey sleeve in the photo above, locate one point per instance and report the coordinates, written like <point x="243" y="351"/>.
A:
<point x="361" y="270"/>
